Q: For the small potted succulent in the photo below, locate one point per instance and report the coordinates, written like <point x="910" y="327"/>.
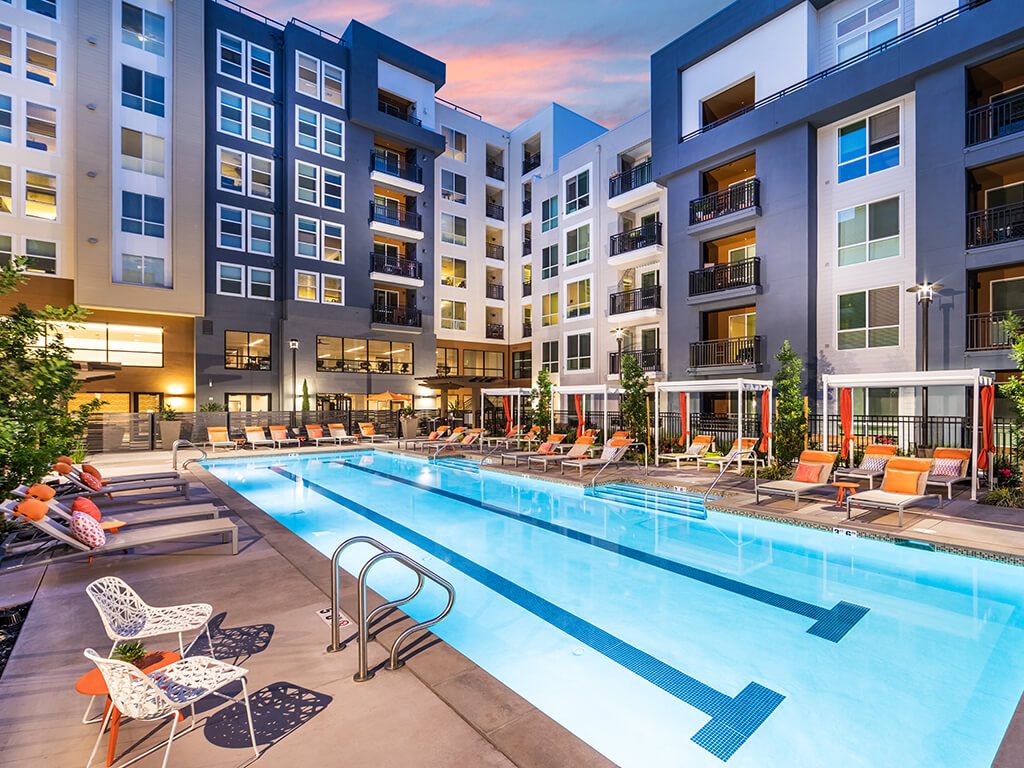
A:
<point x="134" y="652"/>
<point x="170" y="427"/>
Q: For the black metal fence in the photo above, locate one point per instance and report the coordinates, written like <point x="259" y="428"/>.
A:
<point x="723" y="277"/>
<point x="738" y="197"/>
<point x="999" y="224"/>
<point x="631" y="179"/>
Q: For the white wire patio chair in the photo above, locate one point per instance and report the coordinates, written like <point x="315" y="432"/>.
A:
<point x="164" y="692"/>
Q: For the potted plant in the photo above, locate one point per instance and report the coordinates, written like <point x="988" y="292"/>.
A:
<point x="409" y="422"/>
<point x="170" y="427"/>
<point x="134" y="652"/>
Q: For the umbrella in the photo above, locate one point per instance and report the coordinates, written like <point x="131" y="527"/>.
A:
<point x="389" y="397"/>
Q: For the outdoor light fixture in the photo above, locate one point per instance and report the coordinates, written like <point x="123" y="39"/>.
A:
<point x="925" y="292"/>
<point x="293" y="344"/>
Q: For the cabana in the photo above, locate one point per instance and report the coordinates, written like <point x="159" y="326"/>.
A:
<point x="971" y="379"/>
<point x="715" y="386"/>
<point x="585" y="389"/>
<point x="511" y="400"/>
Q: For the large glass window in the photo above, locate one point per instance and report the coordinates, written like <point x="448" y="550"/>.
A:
<point x="333" y="85"/>
<point x="41" y="256"/>
<point x="261" y="233"/>
<point x="261" y="177"/>
<point x="307" y="286"/>
<point x="577" y="245"/>
<point x="142" y="29"/>
<point x="869" y="318"/>
<point x="230" y="112"/>
<point x="332" y="289"/>
<point x="230" y="164"/>
<point x="247" y="351"/>
<point x="46" y="8"/>
<point x="261" y="283"/>
<point x="577" y="192"/>
<point x="577" y="299"/>
<point x="307" y="75"/>
<point x="261" y="67"/>
<point x="577" y="352"/>
<point x="549" y="356"/>
<point x="549" y="214"/>
<point x="230" y="279"/>
<point x="351" y="355"/>
<point x="40" y="59"/>
<point x="549" y="309"/>
<point x="6" y="49"/>
<point x="40" y="127"/>
<point x="333" y="248"/>
<point x="142" y="214"/>
<point x="522" y="364"/>
<point x="6" y="119"/>
<point x="333" y="137"/>
<point x="334" y="190"/>
<point x="447" y="361"/>
<point x="307" y="129"/>
<point x="129" y="345"/>
<point x="476" y="362"/>
<point x="230" y="228"/>
<point x="866" y="28"/>
<point x="549" y="262"/>
<point x="142" y="90"/>
<point x="6" y="189"/>
<point x="453" y="272"/>
<point x="40" y="195"/>
<point x="142" y="152"/>
<point x="869" y="145"/>
<point x="453" y="315"/>
<point x="453" y="186"/>
<point x="261" y="123"/>
<point x="454" y="143"/>
<point x="141" y="269"/>
<point x="869" y="232"/>
<point x="453" y="229"/>
<point x="307" y="183"/>
<point x="230" y="55"/>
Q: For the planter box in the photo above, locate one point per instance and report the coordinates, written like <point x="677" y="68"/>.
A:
<point x="169" y="432"/>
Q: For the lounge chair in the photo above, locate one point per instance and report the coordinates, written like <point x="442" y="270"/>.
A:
<point x="532" y="435"/>
<point x="315" y="435"/>
<point x="547" y="448"/>
<point x="468" y="441"/>
<point x="339" y="433"/>
<point x="579" y="449"/>
<point x="456" y="435"/>
<point x="61" y="509"/>
<point x="903" y="486"/>
<point x="614" y="452"/>
<point x="746" y="446"/>
<point x="256" y="437"/>
<point x="367" y="431"/>
<point x="282" y="436"/>
<point x="700" y="445"/>
<point x="139" y="490"/>
<point x="949" y="467"/>
<point x="77" y="470"/>
<point x="872" y="466"/>
<point x="512" y="434"/>
<point x="217" y="437"/>
<point x="436" y="434"/>
<point x="811" y="475"/>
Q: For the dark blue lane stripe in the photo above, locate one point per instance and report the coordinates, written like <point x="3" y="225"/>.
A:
<point x="829" y="623"/>
<point x="733" y="719"/>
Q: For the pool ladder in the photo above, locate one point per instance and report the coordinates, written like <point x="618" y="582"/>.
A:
<point x="364" y="618"/>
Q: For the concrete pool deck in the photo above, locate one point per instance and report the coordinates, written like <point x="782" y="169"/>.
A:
<point x="440" y="710"/>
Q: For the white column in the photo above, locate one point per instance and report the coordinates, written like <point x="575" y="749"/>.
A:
<point x="824" y="413"/>
<point x="657" y="425"/>
<point x="739" y="421"/>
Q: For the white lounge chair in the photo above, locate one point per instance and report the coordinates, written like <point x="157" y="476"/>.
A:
<point x="496" y="440"/>
<point x="217" y="437"/>
<point x="614" y="452"/>
<point x="411" y="442"/>
<point x="456" y="435"/>
<point x="468" y="441"/>
<point x="811" y="475"/>
<point x="744" y="446"/>
<point x="339" y="433"/>
<point x="315" y="435"/>
<point x="700" y="445"/>
<point x="903" y="486"/>
<point x="547" y="448"/>
<point x="532" y="435"/>
<point x="138" y="489"/>
<point x="282" y="436"/>
<point x="577" y="450"/>
<point x="950" y="466"/>
<point x="367" y="431"/>
<point x="871" y="467"/>
<point x="256" y="437"/>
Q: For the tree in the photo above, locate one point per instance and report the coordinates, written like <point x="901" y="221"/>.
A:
<point x="1013" y="388"/>
<point x="633" y="400"/>
<point x="36" y="383"/>
<point x="790" y="420"/>
<point x="541" y="398"/>
<point x="305" y="396"/>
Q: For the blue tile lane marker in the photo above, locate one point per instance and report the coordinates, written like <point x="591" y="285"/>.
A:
<point x="829" y="623"/>
<point x="733" y="718"/>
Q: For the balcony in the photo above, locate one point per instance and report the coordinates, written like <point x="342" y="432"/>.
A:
<point x="527" y="247"/>
<point x="527" y="207"/>
<point x="495" y="211"/>
<point x="987" y="331"/>
<point x="396" y="269"/>
<point x="649" y="360"/>
<point x="741" y="199"/>
<point x="742" y="353"/>
<point x="991" y="226"/>
<point x="392" y="171"/>
<point x="495" y="171"/>
<point x="646" y="300"/>
<point x="528" y="288"/>
<point x="396" y="220"/>
<point x="390" y="105"/>
<point x="993" y="121"/>
<point x="531" y="160"/>
<point x="495" y="251"/>
<point x="633" y="187"/>
<point x="494" y="331"/>
<point x="527" y="330"/>
<point x="738" y="278"/>
<point x="405" y="317"/>
<point x="634" y="244"/>
<point x="495" y="291"/>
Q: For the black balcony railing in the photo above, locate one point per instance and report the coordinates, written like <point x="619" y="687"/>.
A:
<point x="634" y="239"/>
<point x="738" y="197"/>
<point x="495" y="331"/>
<point x="495" y="251"/>
<point x="987" y="330"/>
<point x="395" y="110"/>
<point x="722" y="277"/>
<point x="635" y="300"/>
<point x="495" y="170"/>
<point x="495" y="211"/>
<point x="527" y="247"/>
<point x="631" y="179"/>
<point x="1001" y="118"/>
<point x="995" y="225"/>
<point x="744" y="350"/>
<point x="527" y="206"/>
<point x="396" y="265"/>
<point x="495" y="291"/>
<point x="410" y="317"/>
<point x="649" y="360"/>
<point x="395" y="166"/>
<point x="531" y="160"/>
<point x="528" y="288"/>
<point x="395" y="215"/>
<point x="238" y="361"/>
<point x="527" y="330"/>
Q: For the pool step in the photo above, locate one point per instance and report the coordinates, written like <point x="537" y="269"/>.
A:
<point x="457" y="462"/>
<point x="650" y="499"/>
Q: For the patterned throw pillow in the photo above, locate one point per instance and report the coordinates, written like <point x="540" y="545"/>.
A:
<point x="88" y="507"/>
<point x="87" y="530"/>
<point x="874" y="463"/>
<point x="946" y="468"/>
<point x="91" y="481"/>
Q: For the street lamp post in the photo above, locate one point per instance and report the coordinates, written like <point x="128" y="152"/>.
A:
<point x="925" y="292"/>
<point x="293" y="344"/>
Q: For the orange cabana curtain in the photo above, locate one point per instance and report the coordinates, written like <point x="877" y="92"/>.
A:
<point x="508" y="413"/>
<point x="766" y="420"/>
<point x="846" y="419"/>
<point x="578" y="402"/>
<point x="684" y="417"/>
<point x="988" y="442"/>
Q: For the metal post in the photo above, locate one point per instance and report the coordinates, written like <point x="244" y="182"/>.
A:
<point x="974" y="448"/>
<point x="294" y="345"/>
<point x="824" y="413"/>
<point x="657" y="427"/>
<point x="739" y="423"/>
<point x="925" y="305"/>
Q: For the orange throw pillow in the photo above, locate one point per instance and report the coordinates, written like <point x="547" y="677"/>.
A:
<point x="41" y="492"/>
<point x="62" y="468"/>
<point x="91" y="470"/>
<point x="807" y="473"/>
<point x="314" y="432"/>
<point x="91" y="481"/>
<point x="33" y="509"/>
<point x="88" y="507"/>
<point x="64" y="460"/>
<point x="901" y="481"/>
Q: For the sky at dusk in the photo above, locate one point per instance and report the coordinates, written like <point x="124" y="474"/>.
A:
<point x="507" y="59"/>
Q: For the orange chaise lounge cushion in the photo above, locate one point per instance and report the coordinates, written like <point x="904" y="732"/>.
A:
<point x="807" y="473"/>
<point x="901" y="481"/>
<point x="41" y="492"/>
<point x="314" y="432"/>
<point x="33" y="509"/>
<point x="87" y="507"/>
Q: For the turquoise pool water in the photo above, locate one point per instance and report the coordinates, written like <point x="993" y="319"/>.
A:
<point x="665" y="639"/>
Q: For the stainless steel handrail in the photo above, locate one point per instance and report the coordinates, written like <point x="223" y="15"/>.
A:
<point x="737" y="456"/>
<point x="185" y="444"/>
<point x="593" y="482"/>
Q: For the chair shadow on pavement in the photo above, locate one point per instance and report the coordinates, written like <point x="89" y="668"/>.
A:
<point x="233" y="644"/>
<point x="277" y="710"/>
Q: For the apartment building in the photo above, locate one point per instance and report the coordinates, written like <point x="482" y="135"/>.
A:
<point x="99" y="167"/>
<point x="811" y="188"/>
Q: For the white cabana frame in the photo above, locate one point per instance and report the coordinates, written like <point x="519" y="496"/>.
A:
<point x="970" y="378"/>
<point x="586" y="389"/>
<point x="739" y="386"/>
<point x="516" y="406"/>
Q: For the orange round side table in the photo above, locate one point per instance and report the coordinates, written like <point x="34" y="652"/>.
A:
<point x="842" y="489"/>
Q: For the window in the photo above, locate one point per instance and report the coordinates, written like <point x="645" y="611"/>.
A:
<point x="577" y="298"/>
<point x="261" y="233"/>
<point x="129" y="345"/>
<point x="6" y="189"/>
<point x="453" y="272"/>
<point x="307" y="75"/>
<point x="261" y="177"/>
<point x="454" y="143"/>
<point x="334" y="242"/>
<point x="307" y="286"/>
<point x="230" y="54"/>
<point x="142" y="270"/>
<point x="869" y="232"/>
<point x="40" y="127"/>
<point x="6" y="49"/>
<point x="142" y="152"/>
<point x="549" y="214"/>
<point x="307" y="237"/>
<point x="477" y="362"/>
<point x="453" y="186"/>
<point x="261" y="123"/>
<point x="261" y="67"/>
<point x="307" y="183"/>
<point x="334" y="137"/>
<point x="6" y="250"/>
<point x="869" y="145"/>
<point x="41" y="256"/>
<point x="230" y="170"/>
<point x="869" y="318"/>
<point x="577" y="352"/>
<point x="230" y="108"/>
<point x="142" y="29"/>
<point x="447" y="361"/>
<point x="453" y="229"/>
<point x="261" y="283"/>
<point x="40" y="59"/>
<point x="453" y="315"/>
<point x="352" y="355"/>
<point x="549" y="356"/>
<point x="333" y="289"/>
<point x="141" y="90"/>
<point x="307" y="129"/>
<point x="522" y="364"/>
<point x="230" y="279"/>
<point x="549" y="309"/>
<point x="40" y="195"/>
<point x="47" y="8"/>
<point x="247" y="351"/>
<point x="6" y="119"/>
<point x="577" y="192"/>
<point x="333" y="85"/>
<point x="334" y="190"/>
<point x="142" y="214"/>
<point x="230" y="226"/>
<point x="868" y="27"/>
<point x="549" y="262"/>
<point x="577" y="245"/>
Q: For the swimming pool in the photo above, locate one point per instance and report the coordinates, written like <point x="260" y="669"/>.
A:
<point x="679" y="638"/>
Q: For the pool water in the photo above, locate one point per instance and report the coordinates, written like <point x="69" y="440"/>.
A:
<point x="668" y="639"/>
